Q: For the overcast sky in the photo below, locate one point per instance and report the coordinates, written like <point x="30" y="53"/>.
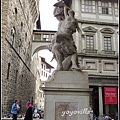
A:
<point x="48" y="22"/>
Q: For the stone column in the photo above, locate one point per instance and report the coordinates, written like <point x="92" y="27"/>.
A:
<point x="100" y="102"/>
<point x="106" y="108"/>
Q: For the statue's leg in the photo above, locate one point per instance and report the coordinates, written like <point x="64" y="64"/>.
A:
<point x="67" y="63"/>
<point x="74" y="62"/>
<point x="59" y="57"/>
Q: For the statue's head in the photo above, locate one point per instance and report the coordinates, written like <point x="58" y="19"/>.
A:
<point x="59" y="13"/>
<point x="71" y="12"/>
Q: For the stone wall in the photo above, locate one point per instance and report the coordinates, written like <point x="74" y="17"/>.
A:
<point x="18" y="81"/>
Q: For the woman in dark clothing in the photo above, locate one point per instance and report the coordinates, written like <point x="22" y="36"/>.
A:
<point x="28" y="115"/>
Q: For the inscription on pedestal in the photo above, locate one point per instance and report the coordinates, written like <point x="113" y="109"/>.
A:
<point x="66" y="111"/>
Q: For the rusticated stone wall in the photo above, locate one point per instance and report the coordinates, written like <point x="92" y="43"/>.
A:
<point x="18" y="81"/>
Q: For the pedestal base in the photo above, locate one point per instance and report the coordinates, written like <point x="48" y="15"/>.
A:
<point x="67" y="96"/>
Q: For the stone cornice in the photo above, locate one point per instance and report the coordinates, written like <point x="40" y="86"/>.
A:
<point x="56" y="89"/>
<point x="102" y="76"/>
<point x="39" y="31"/>
<point x="99" y="23"/>
<point x="97" y="56"/>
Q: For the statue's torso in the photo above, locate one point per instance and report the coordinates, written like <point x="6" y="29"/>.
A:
<point x="68" y="25"/>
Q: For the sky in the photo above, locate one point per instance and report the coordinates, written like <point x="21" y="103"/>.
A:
<point x="48" y="57"/>
<point x="48" y="22"/>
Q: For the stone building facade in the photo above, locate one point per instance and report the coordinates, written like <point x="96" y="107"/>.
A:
<point x="18" y="81"/>
<point x="42" y="70"/>
<point x="99" y="49"/>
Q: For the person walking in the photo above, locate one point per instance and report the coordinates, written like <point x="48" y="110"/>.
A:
<point x="29" y="112"/>
<point x="28" y="104"/>
<point x="15" y="109"/>
<point x="116" y="116"/>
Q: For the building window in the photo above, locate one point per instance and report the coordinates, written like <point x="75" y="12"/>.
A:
<point x="28" y="17"/>
<point x="23" y="4"/>
<point x="104" y="10"/>
<point x="107" y="43"/>
<point x="25" y="36"/>
<point x="12" y="39"/>
<point x="24" y="50"/>
<point x="105" y="7"/>
<point x="19" y="46"/>
<point x="21" y="26"/>
<point x="37" y="37"/>
<point x="88" y="6"/>
<point x="89" y="42"/>
<point x="52" y="35"/>
<point x="21" y="80"/>
<point x="42" y="66"/>
<point x="15" y="14"/>
<point x="12" y="36"/>
<point x="42" y="72"/>
<point x="16" y="76"/>
<point x="8" y="70"/>
<point x="116" y="8"/>
<point x="46" y="37"/>
<point x="19" y="49"/>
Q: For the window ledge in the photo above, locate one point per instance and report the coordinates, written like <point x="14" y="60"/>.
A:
<point x="93" y="51"/>
<point x="108" y="52"/>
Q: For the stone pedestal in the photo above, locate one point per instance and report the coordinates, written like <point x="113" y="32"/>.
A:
<point x="67" y="96"/>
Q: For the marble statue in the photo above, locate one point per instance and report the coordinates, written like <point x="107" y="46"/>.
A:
<point x="63" y="46"/>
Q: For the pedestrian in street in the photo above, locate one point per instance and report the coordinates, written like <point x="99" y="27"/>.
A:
<point x="116" y="116"/>
<point x="94" y="117"/>
<point x="106" y="117"/>
<point x="29" y="112"/>
<point x="15" y="109"/>
<point x="18" y="108"/>
<point x="103" y="117"/>
<point x="28" y="104"/>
